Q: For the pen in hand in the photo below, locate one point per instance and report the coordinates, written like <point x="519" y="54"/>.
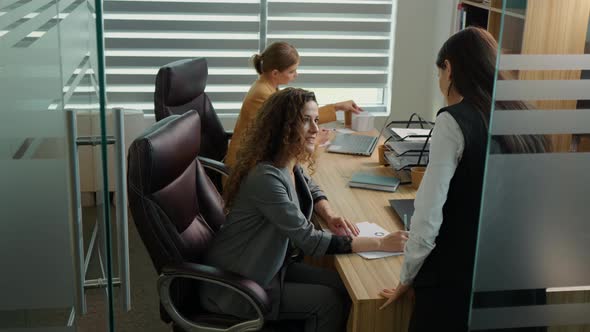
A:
<point x="406" y="226"/>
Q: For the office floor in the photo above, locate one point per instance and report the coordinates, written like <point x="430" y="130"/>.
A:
<point x="144" y="314"/>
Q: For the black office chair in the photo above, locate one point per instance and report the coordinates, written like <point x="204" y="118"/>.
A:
<point x="180" y="87"/>
<point x="177" y="211"/>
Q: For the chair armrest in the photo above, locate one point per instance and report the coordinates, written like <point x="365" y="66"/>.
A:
<point x="214" y="165"/>
<point x="229" y="134"/>
<point x="245" y="287"/>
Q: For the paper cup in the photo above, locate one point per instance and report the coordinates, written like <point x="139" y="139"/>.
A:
<point x="364" y="121"/>
<point x="382" y="160"/>
<point x="416" y="174"/>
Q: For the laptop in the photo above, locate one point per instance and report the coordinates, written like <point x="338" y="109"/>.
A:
<point x="403" y="207"/>
<point x="360" y="145"/>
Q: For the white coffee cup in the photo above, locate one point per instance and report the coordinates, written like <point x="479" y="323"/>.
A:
<point x="363" y="121"/>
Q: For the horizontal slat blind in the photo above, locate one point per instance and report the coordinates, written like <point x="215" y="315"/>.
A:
<point x="142" y="36"/>
<point x="344" y="46"/>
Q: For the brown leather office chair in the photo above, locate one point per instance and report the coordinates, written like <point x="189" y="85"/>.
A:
<point x="177" y="211"/>
<point x="180" y="87"/>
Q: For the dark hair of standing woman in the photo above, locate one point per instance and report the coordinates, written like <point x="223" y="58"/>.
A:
<point x="472" y="55"/>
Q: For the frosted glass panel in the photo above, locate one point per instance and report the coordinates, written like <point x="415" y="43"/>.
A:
<point x="35" y="229"/>
<point x="542" y="90"/>
<point x="532" y="265"/>
<point x="544" y="62"/>
<point x="532" y="261"/>
<point x="74" y="33"/>
<point x="541" y="122"/>
<point x="30" y="76"/>
<point x="36" y="226"/>
<point x="515" y="317"/>
<point x="44" y="45"/>
<point x="534" y="231"/>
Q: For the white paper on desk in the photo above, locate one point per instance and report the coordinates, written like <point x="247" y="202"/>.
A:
<point x="369" y="229"/>
<point x="407" y="133"/>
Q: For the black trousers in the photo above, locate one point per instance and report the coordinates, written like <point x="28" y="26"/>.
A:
<point x="315" y="297"/>
<point x="440" y="309"/>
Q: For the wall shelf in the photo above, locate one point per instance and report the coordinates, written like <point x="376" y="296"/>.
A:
<point x="513" y="12"/>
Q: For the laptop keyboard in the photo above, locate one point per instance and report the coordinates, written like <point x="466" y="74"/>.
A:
<point x="359" y="143"/>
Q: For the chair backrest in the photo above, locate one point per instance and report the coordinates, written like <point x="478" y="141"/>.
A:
<point x="180" y="87"/>
<point x="175" y="206"/>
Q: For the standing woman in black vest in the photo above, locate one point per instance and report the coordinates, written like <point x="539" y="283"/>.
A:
<point x="440" y="252"/>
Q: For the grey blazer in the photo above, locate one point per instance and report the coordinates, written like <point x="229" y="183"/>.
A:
<point x="266" y="215"/>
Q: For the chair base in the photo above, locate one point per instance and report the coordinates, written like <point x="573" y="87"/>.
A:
<point x="283" y="326"/>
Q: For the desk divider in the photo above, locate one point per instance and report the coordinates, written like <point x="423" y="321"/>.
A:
<point x="532" y="260"/>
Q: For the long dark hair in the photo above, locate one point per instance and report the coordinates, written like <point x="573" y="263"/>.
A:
<point x="276" y="135"/>
<point x="472" y="55"/>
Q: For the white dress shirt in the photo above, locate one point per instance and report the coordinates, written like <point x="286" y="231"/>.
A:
<point x="446" y="149"/>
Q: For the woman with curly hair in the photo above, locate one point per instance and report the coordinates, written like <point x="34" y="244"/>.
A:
<point x="276" y="65"/>
<point x="270" y="200"/>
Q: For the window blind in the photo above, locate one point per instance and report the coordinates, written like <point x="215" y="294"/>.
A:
<point x="142" y="36"/>
<point x="345" y="47"/>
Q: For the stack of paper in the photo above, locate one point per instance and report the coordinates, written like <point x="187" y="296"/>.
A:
<point x="409" y="148"/>
<point x="369" y="229"/>
<point x="400" y="162"/>
<point x="410" y="134"/>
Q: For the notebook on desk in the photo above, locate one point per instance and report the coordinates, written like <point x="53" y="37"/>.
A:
<point x="374" y="182"/>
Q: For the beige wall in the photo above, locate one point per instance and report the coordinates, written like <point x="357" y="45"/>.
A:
<point x="422" y="26"/>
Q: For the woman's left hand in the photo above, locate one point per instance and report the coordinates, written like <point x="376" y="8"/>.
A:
<point x="392" y="294"/>
<point x="342" y="226"/>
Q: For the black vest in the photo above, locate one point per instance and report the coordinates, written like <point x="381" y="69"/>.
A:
<point x="450" y="263"/>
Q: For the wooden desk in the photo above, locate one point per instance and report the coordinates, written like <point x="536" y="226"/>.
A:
<point x="365" y="278"/>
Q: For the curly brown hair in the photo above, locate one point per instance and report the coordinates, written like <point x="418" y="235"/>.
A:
<point x="276" y="135"/>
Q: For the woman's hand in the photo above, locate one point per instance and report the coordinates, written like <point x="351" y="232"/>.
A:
<point x="393" y="241"/>
<point x="392" y="294"/>
<point x="342" y="226"/>
<point x="323" y="136"/>
<point x="348" y="106"/>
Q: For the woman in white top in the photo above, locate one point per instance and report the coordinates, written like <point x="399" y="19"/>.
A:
<point x="439" y="255"/>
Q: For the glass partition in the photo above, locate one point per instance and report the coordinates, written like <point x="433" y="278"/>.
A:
<point x="532" y="266"/>
<point x="48" y="50"/>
